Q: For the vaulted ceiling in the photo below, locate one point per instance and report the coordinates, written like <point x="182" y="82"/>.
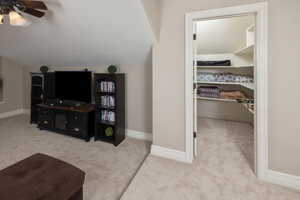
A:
<point x="74" y="32"/>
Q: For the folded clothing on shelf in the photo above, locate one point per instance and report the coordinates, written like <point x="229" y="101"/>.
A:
<point x="224" y="77"/>
<point x="214" y="63"/>
<point x="232" y="95"/>
<point x="209" y="91"/>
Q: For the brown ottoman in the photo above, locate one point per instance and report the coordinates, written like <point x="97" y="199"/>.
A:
<point x="41" y="177"/>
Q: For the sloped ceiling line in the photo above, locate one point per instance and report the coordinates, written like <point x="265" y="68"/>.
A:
<point x="72" y="34"/>
<point x="153" y="9"/>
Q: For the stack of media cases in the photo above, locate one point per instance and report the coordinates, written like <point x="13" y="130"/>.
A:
<point x="107" y="102"/>
<point x="107" y="86"/>
<point x="108" y="116"/>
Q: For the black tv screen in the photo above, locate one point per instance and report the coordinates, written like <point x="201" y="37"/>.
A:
<point x="75" y="86"/>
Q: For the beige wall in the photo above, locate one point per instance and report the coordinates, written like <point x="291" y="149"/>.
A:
<point x="284" y="48"/>
<point x="12" y="74"/>
<point x="153" y="12"/>
<point x="168" y="72"/>
<point x="1" y="85"/>
<point x="168" y="78"/>
<point x="138" y="91"/>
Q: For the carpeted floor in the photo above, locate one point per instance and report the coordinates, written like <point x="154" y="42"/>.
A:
<point x="222" y="171"/>
<point x="109" y="170"/>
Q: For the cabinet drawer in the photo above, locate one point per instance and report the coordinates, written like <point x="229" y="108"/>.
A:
<point x="45" y="118"/>
<point x="77" y="120"/>
<point x="44" y="123"/>
<point x="77" y="131"/>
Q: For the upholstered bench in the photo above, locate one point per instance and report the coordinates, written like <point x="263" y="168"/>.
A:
<point x="41" y="177"/>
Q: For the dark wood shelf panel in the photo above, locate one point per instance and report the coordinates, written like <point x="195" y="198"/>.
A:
<point x="81" y="109"/>
<point x="109" y="123"/>
<point x="106" y="108"/>
<point x="106" y="93"/>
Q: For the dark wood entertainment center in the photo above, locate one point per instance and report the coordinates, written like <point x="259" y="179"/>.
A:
<point x="104" y="119"/>
<point x="73" y="121"/>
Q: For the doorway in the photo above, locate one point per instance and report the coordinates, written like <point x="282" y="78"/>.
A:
<point x="224" y="77"/>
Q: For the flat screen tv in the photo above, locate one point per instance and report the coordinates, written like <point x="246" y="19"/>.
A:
<point x="75" y="86"/>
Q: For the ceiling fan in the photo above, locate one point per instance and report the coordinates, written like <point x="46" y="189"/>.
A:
<point x="13" y="9"/>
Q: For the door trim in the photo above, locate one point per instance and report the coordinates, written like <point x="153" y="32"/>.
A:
<point x="261" y="11"/>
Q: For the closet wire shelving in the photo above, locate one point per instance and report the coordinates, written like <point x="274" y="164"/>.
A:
<point x="247" y="50"/>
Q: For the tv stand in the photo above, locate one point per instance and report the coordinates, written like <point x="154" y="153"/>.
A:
<point x="68" y="120"/>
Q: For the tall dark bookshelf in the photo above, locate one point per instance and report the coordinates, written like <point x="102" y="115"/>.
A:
<point x="110" y="108"/>
<point x="42" y="88"/>
<point x="37" y="94"/>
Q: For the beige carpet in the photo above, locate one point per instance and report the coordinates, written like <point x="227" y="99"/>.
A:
<point x="222" y="170"/>
<point x="109" y="170"/>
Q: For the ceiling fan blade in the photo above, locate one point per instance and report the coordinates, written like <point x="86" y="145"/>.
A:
<point x="36" y="5"/>
<point x="33" y="12"/>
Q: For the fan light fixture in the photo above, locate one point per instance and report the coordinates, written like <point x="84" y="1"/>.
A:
<point x="16" y="19"/>
<point x="14" y="8"/>
<point x="1" y="19"/>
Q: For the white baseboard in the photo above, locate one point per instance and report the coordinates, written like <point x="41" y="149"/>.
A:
<point x="283" y="179"/>
<point x="139" y="135"/>
<point x="169" y="153"/>
<point x="12" y="113"/>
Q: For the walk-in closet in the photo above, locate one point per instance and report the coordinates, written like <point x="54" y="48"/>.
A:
<point x="224" y="87"/>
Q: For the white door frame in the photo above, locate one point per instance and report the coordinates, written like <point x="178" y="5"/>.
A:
<point x="261" y="11"/>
